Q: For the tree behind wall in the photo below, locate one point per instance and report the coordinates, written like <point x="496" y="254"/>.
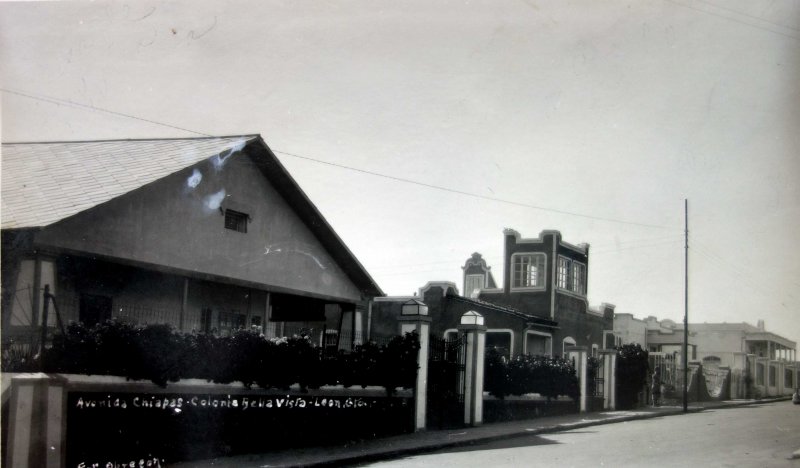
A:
<point x="632" y="371"/>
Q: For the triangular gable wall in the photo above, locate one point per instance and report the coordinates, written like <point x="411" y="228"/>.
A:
<point x="177" y="224"/>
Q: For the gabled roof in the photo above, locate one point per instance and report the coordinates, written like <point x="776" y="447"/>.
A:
<point x="43" y="183"/>
<point x="507" y="310"/>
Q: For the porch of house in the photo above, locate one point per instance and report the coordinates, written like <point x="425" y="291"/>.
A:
<point x="93" y="292"/>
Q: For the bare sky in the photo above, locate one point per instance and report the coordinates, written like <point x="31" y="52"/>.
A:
<point x="614" y="110"/>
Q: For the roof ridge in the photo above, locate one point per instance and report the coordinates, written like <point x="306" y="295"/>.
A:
<point x="209" y="137"/>
<point x="500" y="308"/>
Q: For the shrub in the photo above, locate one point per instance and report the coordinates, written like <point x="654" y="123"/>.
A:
<point x="550" y="377"/>
<point x="632" y="371"/>
<point x="158" y="353"/>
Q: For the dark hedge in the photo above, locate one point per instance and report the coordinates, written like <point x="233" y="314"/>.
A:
<point x="632" y="370"/>
<point x="547" y="376"/>
<point x="160" y="354"/>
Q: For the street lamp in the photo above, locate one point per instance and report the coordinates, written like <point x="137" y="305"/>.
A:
<point x="413" y="307"/>
<point x="472" y="318"/>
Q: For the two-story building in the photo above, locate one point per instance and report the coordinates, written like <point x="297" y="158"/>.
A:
<point x="545" y="277"/>
<point x="539" y="308"/>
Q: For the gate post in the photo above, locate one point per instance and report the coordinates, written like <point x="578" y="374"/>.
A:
<point x="472" y="326"/>
<point x="578" y="354"/>
<point x="609" y="357"/>
<point x="414" y="319"/>
<point x="37" y="421"/>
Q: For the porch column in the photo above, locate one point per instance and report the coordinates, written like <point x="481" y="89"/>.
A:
<point x="609" y="357"/>
<point x="414" y="318"/>
<point x="37" y="421"/>
<point x="578" y="354"/>
<point x="472" y="325"/>
<point x="184" y="304"/>
<point x="764" y="362"/>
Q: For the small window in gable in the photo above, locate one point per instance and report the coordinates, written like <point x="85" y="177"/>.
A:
<point x="236" y="221"/>
<point x="474" y="283"/>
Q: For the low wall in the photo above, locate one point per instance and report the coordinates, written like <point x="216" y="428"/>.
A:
<point x="525" y="407"/>
<point x="111" y="420"/>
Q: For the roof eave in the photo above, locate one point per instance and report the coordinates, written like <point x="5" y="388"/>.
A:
<point x="274" y="170"/>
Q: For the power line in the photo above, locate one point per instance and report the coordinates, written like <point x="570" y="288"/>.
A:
<point x="641" y="246"/>
<point x="734" y="20"/>
<point x="493" y="260"/>
<point x="748" y="15"/>
<point x="58" y="101"/>
<point x="739" y="272"/>
<point x="470" y="194"/>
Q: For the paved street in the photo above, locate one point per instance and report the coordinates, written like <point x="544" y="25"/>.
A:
<point x="750" y="436"/>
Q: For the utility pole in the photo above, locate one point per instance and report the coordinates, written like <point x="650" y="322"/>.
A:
<point x="686" y="307"/>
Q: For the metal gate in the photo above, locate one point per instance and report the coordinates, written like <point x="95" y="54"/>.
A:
<point x="599" y="379"/>
<point x="668" y="363"/>
<point x="446" y="365"/>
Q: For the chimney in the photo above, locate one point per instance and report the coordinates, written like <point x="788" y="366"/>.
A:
<point x="760" y="325"/>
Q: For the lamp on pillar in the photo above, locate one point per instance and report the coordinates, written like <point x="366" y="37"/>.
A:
<point x="472" y="326"/>
<point x="472" y="318"/>
<point x="413" y="307"/>
<point x="414" y="318"/>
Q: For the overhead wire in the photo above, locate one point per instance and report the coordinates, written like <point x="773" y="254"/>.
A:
<point x="734" y="270"/>
<point x="721" y="7"/>
<point x="474" y="195"/>
<point x="498" y="260"/>
<point x="59" y="101"/>
<point x="790" y="36"/>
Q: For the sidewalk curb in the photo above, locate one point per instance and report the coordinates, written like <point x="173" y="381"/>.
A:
<point x="401" y="452"/>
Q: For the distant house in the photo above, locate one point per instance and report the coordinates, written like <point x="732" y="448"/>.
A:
<point x="540" y="307"/>
<point x="653" y="335"/>
<point x="509" y="331"/>
<point x="767" y="359"/>
<point x="770" y="359"/>
<point x="205" y="234"/>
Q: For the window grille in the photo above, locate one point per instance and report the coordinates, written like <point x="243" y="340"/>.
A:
<point x="236" y="221"/>
<point x="578" y="278"/>
<point x="564" y="267"/>
<point x="528" y="270"/>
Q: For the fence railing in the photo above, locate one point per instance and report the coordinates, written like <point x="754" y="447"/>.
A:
<point x="69" y="308"/>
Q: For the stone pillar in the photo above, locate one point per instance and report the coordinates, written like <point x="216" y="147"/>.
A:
<point x="421" y="324"/>
<point x="609" y="359"/>
<point x="472" y="326"/>
<point x="37" y="421"/>
<point x="579" y="356"/>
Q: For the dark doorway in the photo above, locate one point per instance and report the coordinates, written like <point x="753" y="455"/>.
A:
<point x="94" y="309"/>
<point x="446" y="367"/>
